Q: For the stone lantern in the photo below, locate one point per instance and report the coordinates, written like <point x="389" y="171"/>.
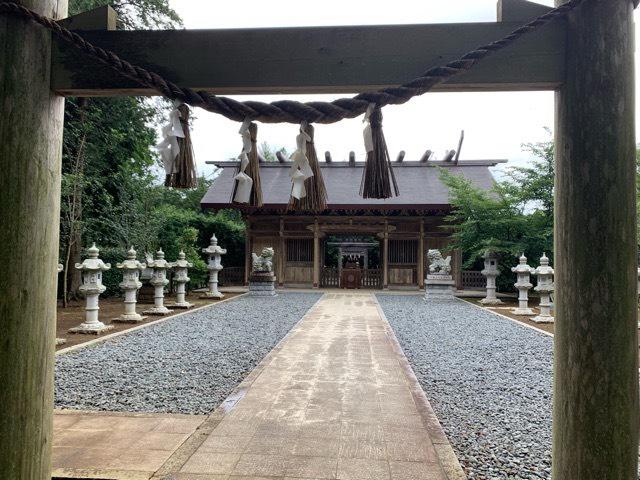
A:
<point x="130" y="285"/>
<point x="523" y="285"/>
<point x="545" y="287"/>
<point x="491" y="272"/>
<point x="92" y="287"/>
<point x="214" y="266"/>
<point x="180" y="270"/>
<point x="159" y="281"/>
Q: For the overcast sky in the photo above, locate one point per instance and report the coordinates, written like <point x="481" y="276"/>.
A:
<point x="495" y="124"/>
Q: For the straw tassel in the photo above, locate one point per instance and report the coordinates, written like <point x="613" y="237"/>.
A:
<point x="247" y="188"/>
<point x="254" y="167"/>
<point x="184" y="174"/>
<point x="315" y="199"/>
<point x="378" y="179"/>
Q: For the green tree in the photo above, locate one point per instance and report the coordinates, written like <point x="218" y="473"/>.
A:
<point x="269" y="152"/>
<point x="533" y="185"/>
<point x="516" y="216"/>
<point x="107" y="157"/>
<point x="134" y="14"/>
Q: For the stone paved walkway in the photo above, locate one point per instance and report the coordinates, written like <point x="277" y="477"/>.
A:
<point x="335" y="400"/>
<point x="114" y="445"/>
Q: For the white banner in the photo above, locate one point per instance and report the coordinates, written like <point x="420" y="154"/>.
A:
<point x="368" y="135"/>
<point x="300" y="168"/>
<point x="244" y="181"/>
<point x="298" y="190"/>
<point x="168" y="147"/>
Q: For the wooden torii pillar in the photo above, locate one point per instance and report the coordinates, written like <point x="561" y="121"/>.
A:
<point x="589" y="61"/>
<point x="595" y="414"/>
<point x="31" y="119"/>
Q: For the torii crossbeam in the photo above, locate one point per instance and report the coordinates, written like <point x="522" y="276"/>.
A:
<point x="587" y="60"/>
<point x="315" y="59"/>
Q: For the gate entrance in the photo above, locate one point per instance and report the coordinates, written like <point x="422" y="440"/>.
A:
<point x="352" y="262"/>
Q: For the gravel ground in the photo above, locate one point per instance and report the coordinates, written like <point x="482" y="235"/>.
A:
<point x="488" y="380"/>
<point x="189" y="364"/>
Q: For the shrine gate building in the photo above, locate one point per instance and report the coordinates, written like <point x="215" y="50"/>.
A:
<point x="388" y="238"/>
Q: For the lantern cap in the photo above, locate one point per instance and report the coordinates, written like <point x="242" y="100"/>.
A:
<point x="92" y="262"/>
<point x="131" y="263"/>
<point x="181" y="262"/>
<point x="213" y="248"/>
<point x="544" y="269"/>
<point x="159" y="262"/>
<point x="93" y="251"/>
<point x="522" y="266"/>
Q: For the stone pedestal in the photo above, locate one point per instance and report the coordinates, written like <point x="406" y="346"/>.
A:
<point x="262" y="284"/>
<point x="158" y="303"/>
<point x="181" y="300"/>
<point x="91" y="323"/>
<point x="130" y="315"/>
<point x="491" y="272"/>
<point x="439" y="287"/>
<point x="91" y="288"/>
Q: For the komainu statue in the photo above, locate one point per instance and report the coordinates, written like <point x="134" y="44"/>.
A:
<point x="263" y="262"/>
<point x="437" y="264"/>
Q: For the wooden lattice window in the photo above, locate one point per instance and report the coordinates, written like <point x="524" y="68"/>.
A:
<point x="300" y="250"/>
<point x="403" y="252"/>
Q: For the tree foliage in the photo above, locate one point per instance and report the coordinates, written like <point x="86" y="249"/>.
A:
<point x="515" y="217"/>
<point x="111" y="189"/>
<point x="269" y="152"/>
<point x="134" y="14"/>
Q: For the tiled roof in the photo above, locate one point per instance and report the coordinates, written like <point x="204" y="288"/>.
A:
<point x="419" y="184"/>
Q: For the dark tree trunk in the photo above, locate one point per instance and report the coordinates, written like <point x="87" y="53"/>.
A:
<point x="74" y="276"/>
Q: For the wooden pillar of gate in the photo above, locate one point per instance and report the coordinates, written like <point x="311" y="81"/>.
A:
<point x="30" y="166"/>
<point x="385" y="256"/>
<point x="421" y="256"/>
<point x="316" y="254"/>
<point x="283" y="254"/>
<point x="247" y="252"/>
<point x="595" y="414"/>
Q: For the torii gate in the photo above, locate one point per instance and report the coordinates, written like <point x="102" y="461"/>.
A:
<point x="587" y="60"/>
